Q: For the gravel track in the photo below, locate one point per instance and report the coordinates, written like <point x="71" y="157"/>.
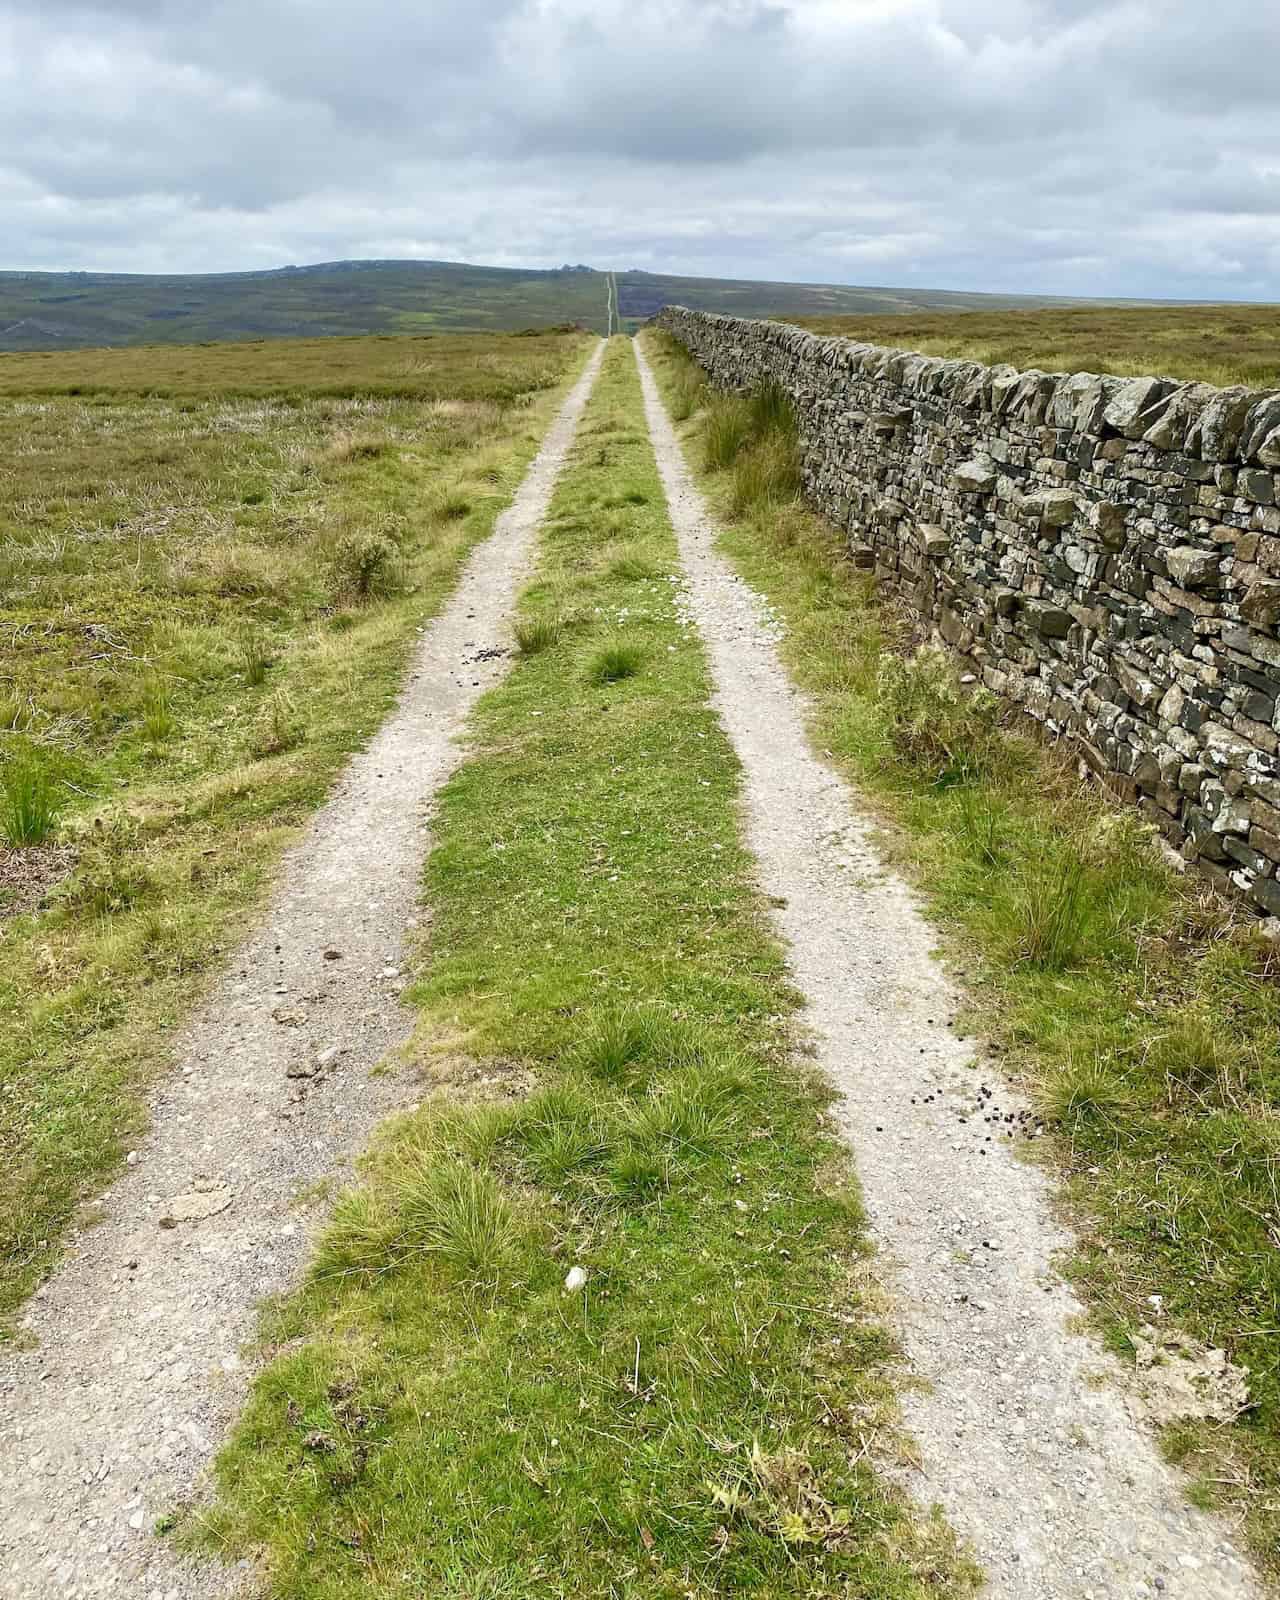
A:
<point x="1026" y="1436"/>
<point x="137" y="1373"/>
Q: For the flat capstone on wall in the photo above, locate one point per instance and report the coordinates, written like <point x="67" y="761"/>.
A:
<point x="1105" y="550"/>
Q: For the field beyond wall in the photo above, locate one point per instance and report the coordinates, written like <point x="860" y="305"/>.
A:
<point x="1222" y="345"/>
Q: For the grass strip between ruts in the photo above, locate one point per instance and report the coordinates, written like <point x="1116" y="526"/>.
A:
<point x="452" y="1412"/>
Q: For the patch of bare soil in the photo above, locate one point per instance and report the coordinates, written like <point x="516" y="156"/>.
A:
<point x="27" y="875"/>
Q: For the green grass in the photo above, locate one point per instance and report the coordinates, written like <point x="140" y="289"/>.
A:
<point x="205" y="606"/>
<point x="28" y="804"/>
<point x="606" y="1017"/>
<point x="617" y="658"/>
<point x="1215" y="344"/>
<point x="534" y="634"/>
<point x="1141" y="1012"/>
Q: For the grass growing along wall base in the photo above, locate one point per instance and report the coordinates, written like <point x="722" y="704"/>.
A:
<point x="455" y="1411"/>
<point x="1142" y="1013"/>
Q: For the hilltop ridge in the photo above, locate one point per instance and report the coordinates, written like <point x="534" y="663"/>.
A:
<point x="69" y="310"/>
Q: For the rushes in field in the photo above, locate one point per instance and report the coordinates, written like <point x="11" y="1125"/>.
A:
<point x="254" y="655"/>
<point x="28" y="806"/>
<point x="157" y="718"/>
<point x="15" y="713"/>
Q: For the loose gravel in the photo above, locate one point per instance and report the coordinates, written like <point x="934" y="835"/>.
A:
<point x="135" y="1371"/>
<point x="1027" y="1434"/>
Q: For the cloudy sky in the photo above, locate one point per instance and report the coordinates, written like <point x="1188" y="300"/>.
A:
<point x="1068" y="146"/>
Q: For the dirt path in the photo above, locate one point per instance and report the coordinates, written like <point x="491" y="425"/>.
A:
<point x="137" y="1373"/>
<point x="1039" y="1464"/>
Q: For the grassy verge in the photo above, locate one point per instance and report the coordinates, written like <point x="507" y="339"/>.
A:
<point x="592" y="1325"/>
<point x="1142" y="1013"/>
<point x="205" y="606"/>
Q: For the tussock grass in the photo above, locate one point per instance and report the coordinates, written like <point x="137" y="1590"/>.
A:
<point x="689" y="394"/>
<point x="658" y="1430"/>
<point x="458" y="1214"/>
<point x="755" y="437"/>
<point x="254" y="655"/>
<point x="451" y="506"/>
<point x="767" y="472"/>
<point x="216" y="520"/>
<point x="615" y="660"/>
<point x="281" y="725"/>
<point x="726" y="430"/>
<point x="1143" y="1014"/>
<point x="631" y="565"/>
<point x="535" y="634"/>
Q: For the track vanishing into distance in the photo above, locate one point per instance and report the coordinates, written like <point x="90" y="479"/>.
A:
<point x="611" y="304"/>
<point x="137" y="1375"/>
<point x="1023" y="1430"/>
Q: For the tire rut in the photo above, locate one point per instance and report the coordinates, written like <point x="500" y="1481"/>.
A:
<point x="136" y="1372"/>
<point x="1025" y="1434"/>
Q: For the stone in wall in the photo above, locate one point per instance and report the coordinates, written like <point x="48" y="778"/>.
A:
<point x="1105" y="550"/>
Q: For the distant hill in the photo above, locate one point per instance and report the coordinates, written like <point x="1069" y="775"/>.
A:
<point x="66" y="310"/>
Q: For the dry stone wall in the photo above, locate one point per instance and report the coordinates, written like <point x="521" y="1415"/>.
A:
<point x="1106" y="551"/>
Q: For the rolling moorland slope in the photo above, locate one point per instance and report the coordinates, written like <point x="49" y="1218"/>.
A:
<point x="1222" y="344"/>
<point x="66" y="310"/>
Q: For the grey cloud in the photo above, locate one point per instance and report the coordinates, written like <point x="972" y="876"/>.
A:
<point x="1078" y="146"/>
